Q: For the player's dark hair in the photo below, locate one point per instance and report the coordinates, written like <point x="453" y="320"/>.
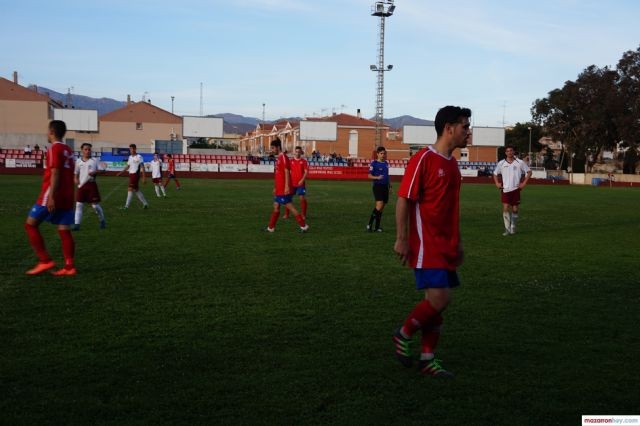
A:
<point x="276" y="142"/>
<point x="85" y="144"/>
<point x="381" y="148"/>
<point x="169" y="156"/>
<point x="59" y="128"/>
<point x="133" y="145"/>
<point x="450" y="115"/>
<point x="510" y="146"/>
<point x="299" y="147"/>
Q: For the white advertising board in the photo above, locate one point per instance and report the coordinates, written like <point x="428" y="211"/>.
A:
<point x="318" y="130"/>
<point x="261" y="168"/>
<point x="201" y="167"/>
<point x="419" y="135"/>
<point x="487" y="136"/>
<point x="233" y="167"/>
<point x="202" y="127"/>
<point x="469" y="173"/>
<point x="85" y="120"/>
<point x="182" y="167"/>
<point x="396" y="171"/>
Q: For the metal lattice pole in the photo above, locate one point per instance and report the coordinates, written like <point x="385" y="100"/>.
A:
<point x="380" y="90"/>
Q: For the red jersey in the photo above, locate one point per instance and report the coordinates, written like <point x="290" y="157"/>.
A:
<point x="59" y="156"/>
<point x="283" y="166"/>
<point x="298" y="167"/>
<point x="172" y="166"/>
<point x="431" y="183"/>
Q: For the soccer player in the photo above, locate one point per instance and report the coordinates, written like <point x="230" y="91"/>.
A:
<point x="379" y="174"/>
<point x="156" y="176"/>
<point x="428" y="238"/>
<point x="282" y="188"/>
<point x="171" y="172"/>
<point x="135" y="166"/>
<point x="85" y="178"/>
<point x="511" y="169"/>
<point x="299" y="171"/>
<point x="54" y="204"/>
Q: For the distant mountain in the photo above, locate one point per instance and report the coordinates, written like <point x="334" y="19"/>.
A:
<point x="398" y="122"/>
<point x="236" y="119"/>
<point x="103" y="105"/>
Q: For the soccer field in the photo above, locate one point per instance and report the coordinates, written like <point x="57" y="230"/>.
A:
<point x="188" y="313"/>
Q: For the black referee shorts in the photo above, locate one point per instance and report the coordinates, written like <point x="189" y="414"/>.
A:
<point x="381" y="193"/>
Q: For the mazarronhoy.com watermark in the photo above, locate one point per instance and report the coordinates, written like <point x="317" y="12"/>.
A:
<point x="610" y="420"/>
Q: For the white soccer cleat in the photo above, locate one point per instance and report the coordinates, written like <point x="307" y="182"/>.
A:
<point x="304" y="228"/>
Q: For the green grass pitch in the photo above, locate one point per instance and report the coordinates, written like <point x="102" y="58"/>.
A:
<point x="188" y="313"/>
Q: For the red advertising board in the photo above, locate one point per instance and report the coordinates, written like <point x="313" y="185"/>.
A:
<point x="338" y="173"/>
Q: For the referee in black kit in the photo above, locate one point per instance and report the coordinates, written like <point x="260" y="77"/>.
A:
<point x="379" y="174"/>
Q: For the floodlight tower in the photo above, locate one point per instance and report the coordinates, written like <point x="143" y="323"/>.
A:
<point x="382" y="9"/>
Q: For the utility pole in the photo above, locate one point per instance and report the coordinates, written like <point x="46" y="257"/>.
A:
<point x="381" y="9"/>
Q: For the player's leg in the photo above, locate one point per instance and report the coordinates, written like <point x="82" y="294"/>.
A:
<point x="97" y="208"/>
<point x="379" y="208"/>
<point x="164" y="193"/>
<point x="129" y="198"/>
<point x="275" y="214"/>
<point x="303" y="206"/>
<point x="157" y="189"/>
<point x="68" y="250"/>
<point x="31" y="227"/>
<point x="78" y="216"/>
<point x="506" y="218"/>
<point x="298" y="216"/>
<point x="177" y="182"/>
<point x="143" y="200"/>
<point x="286" y="213"/>
<point x="515" y="207"/>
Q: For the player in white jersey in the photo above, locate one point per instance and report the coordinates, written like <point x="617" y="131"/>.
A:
<point x="135" y="167"/>
<point x="85" y="179"/>
<point x="511" y="169"/>
<point x="156" y="175"/>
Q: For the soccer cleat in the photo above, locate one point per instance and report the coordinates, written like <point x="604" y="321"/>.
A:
<point x="506" y="233"/>
<point x="513" y="230"/>
<point x="41" y="267"/>
<point x="123" y="208"/>
<point x="433" y="368"/>
<point x="369" y="228"/>
<point x="379" y="230"/>
<point x="64" y="271"/>
<point x="75" y="227"/>
<point x="146" y="206"/>
<point x="267" y="229"/>
<point x="304" y="229"/>
<point x="103" y="224"/>
<point x="403" y="351"/>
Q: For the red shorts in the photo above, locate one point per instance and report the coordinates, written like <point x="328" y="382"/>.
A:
<point x="511" y="198"/>
<point x="156" y="180"/>
<point x="134" y="178"/>
<point x="88" y="193"/>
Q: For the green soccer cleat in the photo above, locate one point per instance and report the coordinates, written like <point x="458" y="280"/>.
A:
<point x="403" y="351"/>
<point x="433" y="368"/>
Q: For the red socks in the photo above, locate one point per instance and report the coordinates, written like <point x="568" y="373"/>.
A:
<point x="37" y="242"/>
<point x="303" y="207"/>
<point x="274" y="219"/>
<point x="422" y="315"/>
<point x="68" y="247"/>
<point x="430" y="335"/>
<point x="300" y="220"/>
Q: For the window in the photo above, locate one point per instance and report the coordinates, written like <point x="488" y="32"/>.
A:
<point x="464" y="155"/>
<point x="138" y="126"/>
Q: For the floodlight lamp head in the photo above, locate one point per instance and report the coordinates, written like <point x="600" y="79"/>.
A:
<point x="391" y="9"/>
<point x="373" y="68"/>
<point x="389" y="67"/>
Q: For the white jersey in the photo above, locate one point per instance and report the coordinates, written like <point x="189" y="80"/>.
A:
<point x="511" y="173"/>
<point x="134" y="163"/>
<point x="156" y="169"/>
<point x="83" y="170"/>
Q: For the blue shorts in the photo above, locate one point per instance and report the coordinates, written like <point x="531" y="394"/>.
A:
<point x="282" y="199"/>
<point x="299" y="190"/>
<point x="435" y="278"/>
<point x="58" y="217"/>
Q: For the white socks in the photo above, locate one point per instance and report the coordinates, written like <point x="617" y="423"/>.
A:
<point x="514" y="219"/>
<point x="78" y="217"/>
<point x="98" y="209"/>
<point x="160" y="188"/>
<point x="141" y="198"/>
<point x="129" y="197"/>
<point x="506" y="217"/>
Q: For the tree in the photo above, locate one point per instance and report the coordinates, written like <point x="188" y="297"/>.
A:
<point x="518" y="137"/>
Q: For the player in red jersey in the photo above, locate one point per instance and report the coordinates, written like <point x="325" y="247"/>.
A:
<point x="171" y="172"/>
<point x="428" y="237"/>
<point x="299" y="171"/>
<point x="282" y="188"/>
<point x="55" y="203"/>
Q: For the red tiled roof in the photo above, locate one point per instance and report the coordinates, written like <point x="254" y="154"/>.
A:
<point x="11" y="91"/>
<point x="347" y="120"/>
<point x="141" y="112"/>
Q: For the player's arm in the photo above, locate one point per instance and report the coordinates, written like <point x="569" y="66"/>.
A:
<point x="55" y="184"/>
<point x="144" y="175"/>
<point x="123" y="170"/>
<point x="304" y="177"/>
<point x="495" y="179"/>
<point x="287" y="181"/>
<point x="526" y="179"/>
<point x="401" y="247"/>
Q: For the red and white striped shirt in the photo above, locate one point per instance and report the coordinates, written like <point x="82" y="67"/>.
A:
<point x="431" y="183"/>
<point x="59" y="156"/>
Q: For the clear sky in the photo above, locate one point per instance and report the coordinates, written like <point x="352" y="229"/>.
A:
<point x="306" y="57"/>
